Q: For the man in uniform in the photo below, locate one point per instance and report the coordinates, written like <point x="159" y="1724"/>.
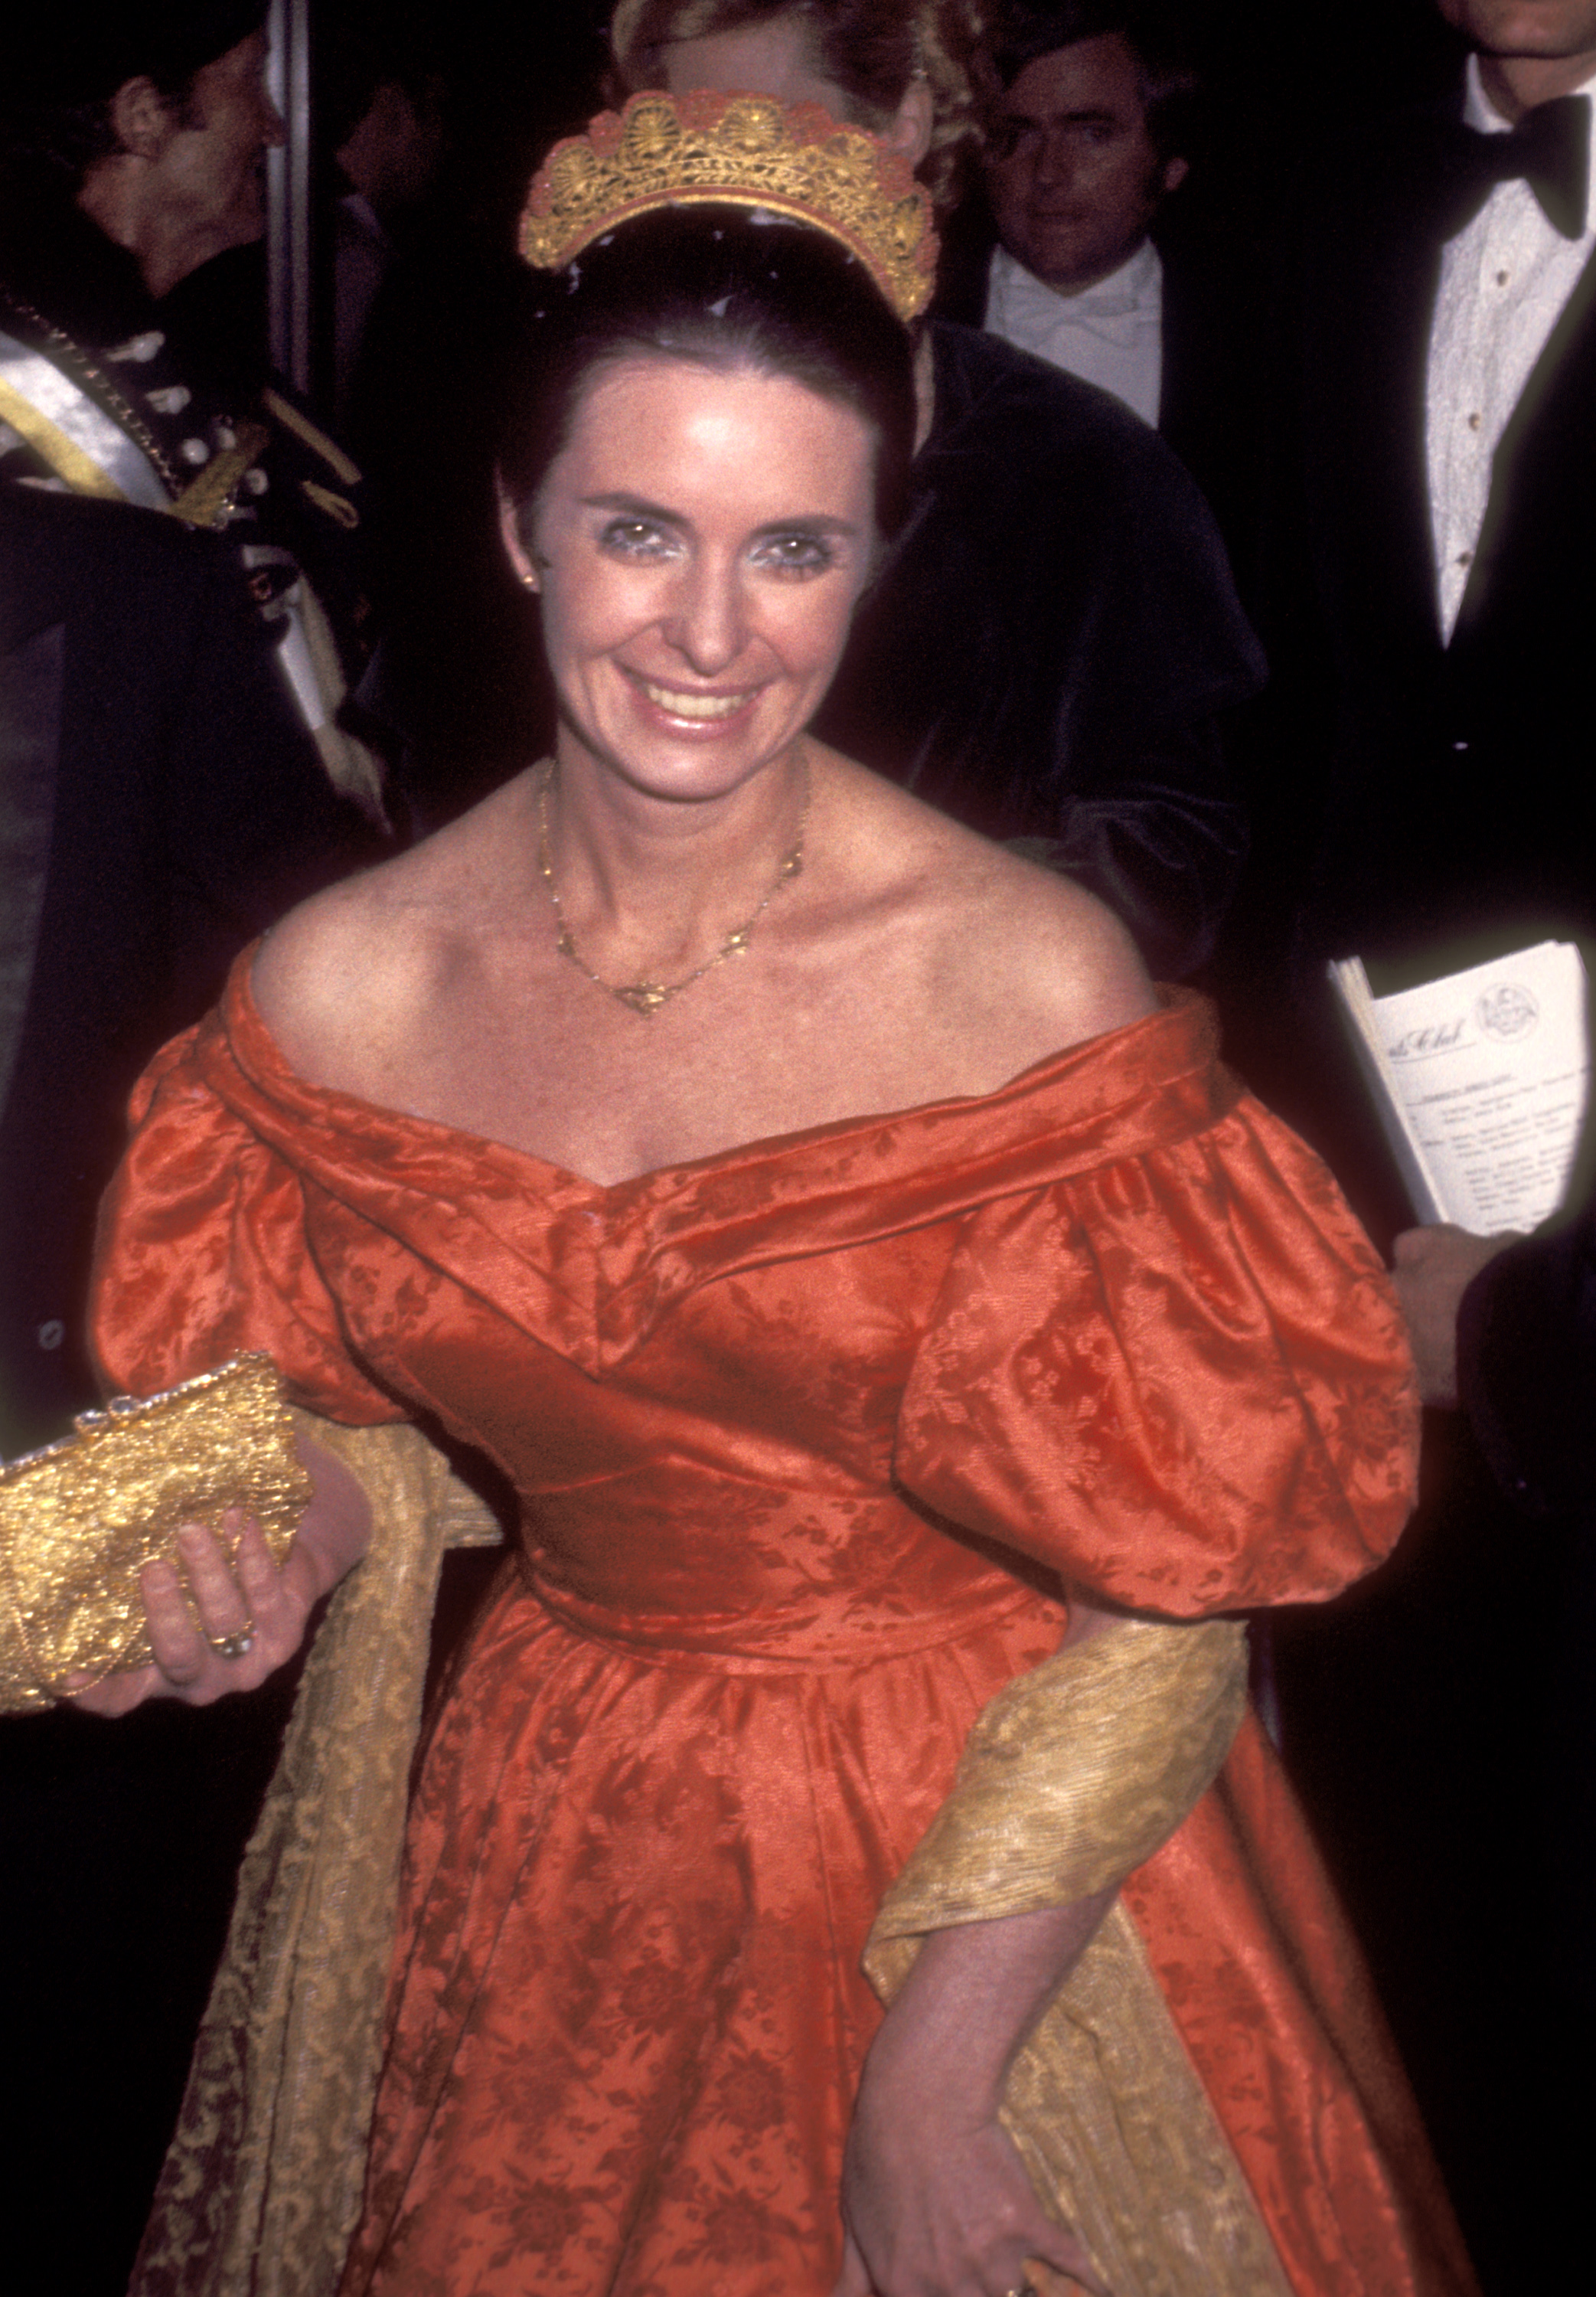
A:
<point x="161" y="801"/>
<point x="137" y="140"/>
<point x="159" y="804"/>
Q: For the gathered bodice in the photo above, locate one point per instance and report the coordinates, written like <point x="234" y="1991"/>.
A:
<point x="814" y="1398"/>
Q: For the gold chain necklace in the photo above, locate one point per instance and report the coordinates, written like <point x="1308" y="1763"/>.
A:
<point x="646" y="997"/>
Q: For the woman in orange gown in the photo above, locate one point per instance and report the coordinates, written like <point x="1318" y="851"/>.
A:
<point x="826" y="1425"/>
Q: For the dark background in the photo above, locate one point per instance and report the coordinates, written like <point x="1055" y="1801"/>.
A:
<point x="1280" y="76"/>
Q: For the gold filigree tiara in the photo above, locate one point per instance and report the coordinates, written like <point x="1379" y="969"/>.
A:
<point x="745" y="151"/>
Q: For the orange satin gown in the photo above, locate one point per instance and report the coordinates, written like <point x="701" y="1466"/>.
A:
<point x="804" y="1436"/>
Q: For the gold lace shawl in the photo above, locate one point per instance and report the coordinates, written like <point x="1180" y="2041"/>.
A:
<point x="262" y="2185"/>
<point x="1072" y="1777"/>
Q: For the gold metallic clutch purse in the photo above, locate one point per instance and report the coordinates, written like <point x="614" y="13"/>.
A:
<point x="80" y="1519"/>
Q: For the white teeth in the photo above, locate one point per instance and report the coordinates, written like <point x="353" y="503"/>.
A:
<point x="692" y="705"/>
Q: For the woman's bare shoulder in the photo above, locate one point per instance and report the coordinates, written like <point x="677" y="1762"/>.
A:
<point x="1054" y="944"/>
<point x="350" y="966"/>
<point x="1014" y="948"/>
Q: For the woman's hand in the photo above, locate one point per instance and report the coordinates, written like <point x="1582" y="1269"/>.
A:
<point x="936" y="2202"/>
<point x="239" y="1622"/>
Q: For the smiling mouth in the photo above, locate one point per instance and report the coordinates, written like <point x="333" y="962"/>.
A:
<point x="692" y="705"/>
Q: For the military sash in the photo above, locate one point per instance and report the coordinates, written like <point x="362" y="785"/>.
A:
<point x="81" y="443"/>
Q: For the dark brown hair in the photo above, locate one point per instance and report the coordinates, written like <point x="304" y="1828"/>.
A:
<point x="723" y="288"/>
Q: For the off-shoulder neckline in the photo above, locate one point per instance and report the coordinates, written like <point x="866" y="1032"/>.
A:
<point x="1179" y="1013"/>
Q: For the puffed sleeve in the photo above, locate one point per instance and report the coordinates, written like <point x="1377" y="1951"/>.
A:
<point x="1181" y="1378"/>
<point x="203" y="1250"/>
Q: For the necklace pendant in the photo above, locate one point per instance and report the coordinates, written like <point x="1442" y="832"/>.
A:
<point x="644" y="997"/>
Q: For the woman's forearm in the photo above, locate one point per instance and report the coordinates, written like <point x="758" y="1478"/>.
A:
<point x="935" y="2198"/>
<point x="978" y="1988"/>
<point x="975" y="1992"/>
<point x="935" y="2195"/>
<point x="335" y="1529"/>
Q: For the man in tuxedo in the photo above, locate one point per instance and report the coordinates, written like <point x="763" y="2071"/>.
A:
<point x="1430" y="803"/>
<point x="1425" y="801"/>
<point x="1090" y="143"/>
<point x="1096" y="124"/>
<point x="1446" y="472"/>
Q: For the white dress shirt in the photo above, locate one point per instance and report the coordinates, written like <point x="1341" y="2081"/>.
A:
<point x="1111" y="333"/>
<point x="1504" y="281"/>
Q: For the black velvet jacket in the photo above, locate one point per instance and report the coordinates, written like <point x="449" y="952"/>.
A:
<point x="1049" y="649"/>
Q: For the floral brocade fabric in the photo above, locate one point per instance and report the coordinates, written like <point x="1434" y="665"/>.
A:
<point x="808" y="1437"/>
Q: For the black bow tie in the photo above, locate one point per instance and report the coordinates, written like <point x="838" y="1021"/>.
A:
<point x="1550" y="149"/>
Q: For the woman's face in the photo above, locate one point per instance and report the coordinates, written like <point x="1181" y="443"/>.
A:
<point x="700" y="544"/>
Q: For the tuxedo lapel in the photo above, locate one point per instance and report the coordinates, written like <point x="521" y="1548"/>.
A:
<point x="1543" y="453"/>
<point x="1371" y="285"/>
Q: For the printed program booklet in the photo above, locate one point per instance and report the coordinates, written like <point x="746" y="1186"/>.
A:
<point x="1479" y="1079"/>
